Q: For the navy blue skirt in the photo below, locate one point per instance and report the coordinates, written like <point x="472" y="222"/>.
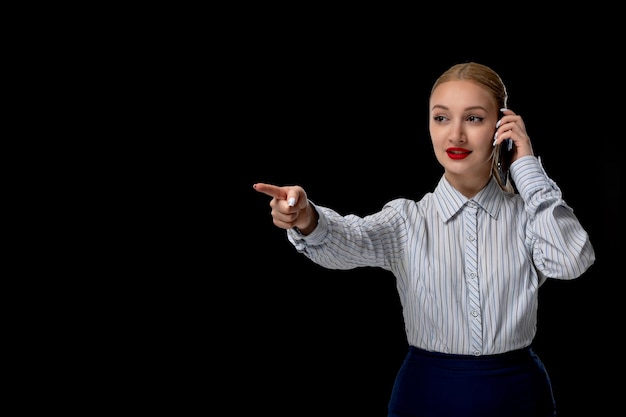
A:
<point x="513" y="384"/>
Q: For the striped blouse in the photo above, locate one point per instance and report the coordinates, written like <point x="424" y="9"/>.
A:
<point x="467" y="271"/>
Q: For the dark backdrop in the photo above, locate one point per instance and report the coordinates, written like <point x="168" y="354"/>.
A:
<point x="190" y="302"/>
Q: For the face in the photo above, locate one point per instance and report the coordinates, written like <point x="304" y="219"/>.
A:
<point x="463" y="119"/>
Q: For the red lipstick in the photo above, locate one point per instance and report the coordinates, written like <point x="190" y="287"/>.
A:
<point x="457" y="153"/>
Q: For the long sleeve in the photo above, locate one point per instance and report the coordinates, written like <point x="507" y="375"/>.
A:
<point x="561" y="248"/>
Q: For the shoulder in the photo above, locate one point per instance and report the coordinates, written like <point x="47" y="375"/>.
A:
<point x="412" y="207"/>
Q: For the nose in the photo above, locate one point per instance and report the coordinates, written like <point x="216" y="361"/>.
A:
<point x="457" y="134"/>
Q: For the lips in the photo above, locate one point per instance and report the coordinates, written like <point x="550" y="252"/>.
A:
<point x="457" y="153"/>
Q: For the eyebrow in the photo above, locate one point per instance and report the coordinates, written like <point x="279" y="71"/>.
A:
<point x="440" y="106"/>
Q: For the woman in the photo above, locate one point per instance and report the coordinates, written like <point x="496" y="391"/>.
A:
<point x="468" y="258"/>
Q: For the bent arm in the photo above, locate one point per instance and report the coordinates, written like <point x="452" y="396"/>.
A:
<point x="560" y="246"/>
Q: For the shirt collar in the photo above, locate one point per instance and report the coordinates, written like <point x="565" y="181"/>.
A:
<point x="449" y="201"/>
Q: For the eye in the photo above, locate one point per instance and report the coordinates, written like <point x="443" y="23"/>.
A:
<point x="440" y="119"/>
<point x="475" y="119"/>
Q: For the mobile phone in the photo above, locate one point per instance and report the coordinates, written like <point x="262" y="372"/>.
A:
<point x="504" y="159"/>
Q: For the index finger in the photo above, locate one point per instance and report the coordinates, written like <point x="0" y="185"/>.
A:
<point x="271" y="190"/>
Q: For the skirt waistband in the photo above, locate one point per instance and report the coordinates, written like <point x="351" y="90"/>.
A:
<point x="514" y="355"/>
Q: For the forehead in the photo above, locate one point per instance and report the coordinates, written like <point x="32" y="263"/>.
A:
<point x="461" y="93"/>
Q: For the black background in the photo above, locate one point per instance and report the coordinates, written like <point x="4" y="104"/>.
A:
<point x="158" y="281"/>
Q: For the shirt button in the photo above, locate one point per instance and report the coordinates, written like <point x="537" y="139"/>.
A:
<point x="475" y="313"/>
<point x="476" y="353"/>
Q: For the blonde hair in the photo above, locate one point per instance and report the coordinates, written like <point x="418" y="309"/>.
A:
<point x="492" y="83"/>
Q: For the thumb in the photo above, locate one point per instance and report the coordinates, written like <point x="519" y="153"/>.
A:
<point x="292" y="197"/>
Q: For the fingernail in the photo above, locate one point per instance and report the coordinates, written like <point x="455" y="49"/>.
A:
<point x="498" y="123"/>
<point x="292" y="202"/>
<point x="495" y="138"/>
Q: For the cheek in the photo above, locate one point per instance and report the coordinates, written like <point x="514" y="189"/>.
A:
<point x="436" y="133"/>
<point x="483" y="136"/>
<point x="483" y="144"/>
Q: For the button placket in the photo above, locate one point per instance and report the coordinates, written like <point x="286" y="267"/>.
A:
<point x="470" y="216"/>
